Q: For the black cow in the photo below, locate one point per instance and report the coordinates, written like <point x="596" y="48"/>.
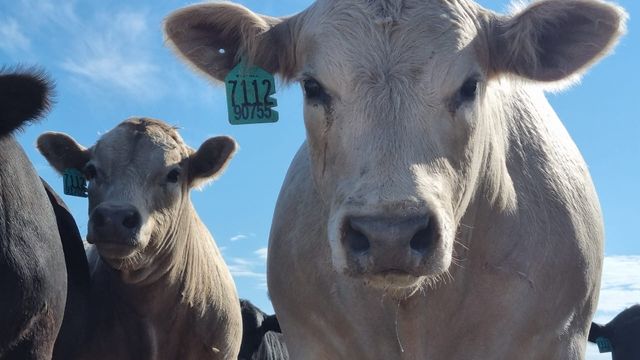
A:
<point x="261" y="335"/>
<point x="622" y="334"/>
<point x="36" y="231"/>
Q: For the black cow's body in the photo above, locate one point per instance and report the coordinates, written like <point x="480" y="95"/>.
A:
<point x="261" y="335"/>
<point x="623" y="333"/>
<point x="76" y="313"/>
<point x="33" y="274"/>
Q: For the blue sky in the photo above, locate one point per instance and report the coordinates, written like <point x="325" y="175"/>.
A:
<point x="110" y="63"/>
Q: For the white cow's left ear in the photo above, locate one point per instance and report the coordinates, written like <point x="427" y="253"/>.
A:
<point x="213" y="37"/>
<point x="552" y="40"/>
<point x="210" y="160"/>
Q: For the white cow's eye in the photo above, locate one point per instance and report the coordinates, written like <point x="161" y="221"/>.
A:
<point x="313" y="90"/>
<point x="468" y="90"/>
<point x="173" y="176"/>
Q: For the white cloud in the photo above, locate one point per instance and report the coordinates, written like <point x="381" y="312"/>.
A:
<point x="239" y="272"/>
<point x="103" y="69"/>
<point x="620" y="284"/>
<point x="245" y="268"/>
<point x="238" y="238"/>
<point x="59" y="12"/>
<point x="105" y="50"/>
<point x="243" y="262"/>
<point x="113" y="52"/>
<point x="12" y="39"/>
<point x="251" y="268"/>
<point x="262" y="253"/>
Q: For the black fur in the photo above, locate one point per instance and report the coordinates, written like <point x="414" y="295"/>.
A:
<point x="272" y="347"/>
<point x="261" y="335"/>
<point x="33" y="277"/>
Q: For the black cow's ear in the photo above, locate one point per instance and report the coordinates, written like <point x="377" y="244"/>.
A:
<point x="62" y="151"/>
<point x="595" y="332"/>
<point x="271" y="323"/>
<point x="210" y="160"/>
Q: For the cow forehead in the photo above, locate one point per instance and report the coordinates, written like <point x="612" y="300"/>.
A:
<point x="143" y="143"/>
<point x="353" y="40"/>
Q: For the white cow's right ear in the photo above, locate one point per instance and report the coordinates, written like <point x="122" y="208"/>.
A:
<point x="213" y="37"/>
<point x="62" y="151"/>
<point x="552" y="40"/>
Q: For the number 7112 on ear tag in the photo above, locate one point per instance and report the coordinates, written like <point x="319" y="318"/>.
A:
<point x="249" y="90"/>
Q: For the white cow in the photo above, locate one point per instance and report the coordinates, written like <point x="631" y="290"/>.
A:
<point x="438" y="209"/>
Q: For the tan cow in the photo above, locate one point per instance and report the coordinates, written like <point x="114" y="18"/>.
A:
<point x="438" y="209"/>
<point x="160" y="288"/>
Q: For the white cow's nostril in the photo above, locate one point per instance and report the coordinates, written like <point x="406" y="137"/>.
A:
<point x="383" y="236"/>
<point x="421" y="241"/>
<point x="356" y="240"/>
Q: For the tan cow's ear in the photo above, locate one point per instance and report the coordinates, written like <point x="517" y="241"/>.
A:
<point x="213" y="37"/>
<point x="210" y="160"/>
<point x="552" y="40"/>
<point x="62" y="151"/>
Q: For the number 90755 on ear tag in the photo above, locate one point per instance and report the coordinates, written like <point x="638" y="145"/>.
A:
<point x="249" y="90"/>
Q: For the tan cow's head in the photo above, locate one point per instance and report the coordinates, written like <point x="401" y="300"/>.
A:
<point x="140" y="174"/>
<point x="404" y="108"/>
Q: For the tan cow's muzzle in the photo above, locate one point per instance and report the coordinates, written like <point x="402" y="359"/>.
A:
<point x="114" y="229"/>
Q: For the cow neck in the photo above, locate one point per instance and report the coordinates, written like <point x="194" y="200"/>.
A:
<point x="185" y="265"/>
<point x="143" y="298"/>
<point x="140" y="289"/>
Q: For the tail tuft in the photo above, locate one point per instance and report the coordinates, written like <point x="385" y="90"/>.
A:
<point x="25" y="96"/>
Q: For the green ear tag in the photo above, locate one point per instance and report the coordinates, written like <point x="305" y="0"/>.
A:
<point x="74" y="183"/>
<point x="249" y="91"/>
<point x="604" y="345"/>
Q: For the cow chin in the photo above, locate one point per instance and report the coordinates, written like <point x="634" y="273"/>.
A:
<point x="113" y="251"/>
<point x="121" y="254"/>
<point x="122" y="258"/>
<point x="400" y="281"/>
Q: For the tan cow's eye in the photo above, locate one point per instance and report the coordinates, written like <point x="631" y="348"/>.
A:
<point x="90" y="172"/>
<point x="173" y="176"/>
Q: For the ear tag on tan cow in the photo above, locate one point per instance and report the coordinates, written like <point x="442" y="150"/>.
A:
<point x="604" y="345"/>
<point x="249" y="90"/>
<point x="74" y="183"/>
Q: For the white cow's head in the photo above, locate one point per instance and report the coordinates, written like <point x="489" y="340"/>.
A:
<point x="140" y="174"/>
<point x="404" y="107"/>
